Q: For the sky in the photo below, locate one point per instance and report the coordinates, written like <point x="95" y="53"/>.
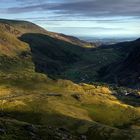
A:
<point x="93" y="18"/>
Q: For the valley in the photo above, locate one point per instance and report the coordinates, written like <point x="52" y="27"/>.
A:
<point x="57" y="87"/>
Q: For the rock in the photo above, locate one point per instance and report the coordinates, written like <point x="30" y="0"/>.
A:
<point x="83" y="137"/>
<point x="2" y="131"/>
<point x="31" y="128"/>
<point x="76" y="96"/>
<point x="50" y="127"/>
<point x="127" y="93"/>
<point x="63" y="129"/>
<point x="2" y="114"/>
<point x="54" y="94"/>
<point x="32" y="134"/>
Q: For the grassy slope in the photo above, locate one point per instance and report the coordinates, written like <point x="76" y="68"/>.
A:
<point x="52" y="103"/>
<point x="32" y="97"/>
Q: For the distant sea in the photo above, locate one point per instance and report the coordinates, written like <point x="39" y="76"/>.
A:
<point x="99" y="39"/>
<point x="108" y="40"/>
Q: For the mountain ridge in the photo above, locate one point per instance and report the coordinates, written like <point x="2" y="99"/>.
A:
<point x="27" y="26"/>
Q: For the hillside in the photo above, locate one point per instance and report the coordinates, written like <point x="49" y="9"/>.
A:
<point x="126" y="72"/>
<point x="28" y="27"/>
<point x="55" y="50"/>
<point x="39" y="98"/>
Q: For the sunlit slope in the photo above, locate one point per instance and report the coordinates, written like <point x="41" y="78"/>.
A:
<point x="74" y="107"/>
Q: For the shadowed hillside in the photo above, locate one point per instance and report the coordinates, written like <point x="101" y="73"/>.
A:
<point x="50" y="55"/>
<point x="126" y="72"/>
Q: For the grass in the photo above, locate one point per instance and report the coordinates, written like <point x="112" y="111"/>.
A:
<point x="93" y="106"/>
<point x="112" y="115"/>
<point x="34" y="106"/>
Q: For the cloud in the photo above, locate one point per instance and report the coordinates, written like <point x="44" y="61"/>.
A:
<point x="94" y="8"/>
<point x="78" y="16"/>
<point x="82" y="8"/>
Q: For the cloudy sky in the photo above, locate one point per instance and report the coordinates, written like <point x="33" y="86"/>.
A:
<point x="96" y="18"/>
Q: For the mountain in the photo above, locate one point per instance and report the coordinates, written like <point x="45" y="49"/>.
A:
<point x="126" y="72"/>
<point x="47" y="88"/>
<point x="55" y="50"/>
<point x="28" y="27"/>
